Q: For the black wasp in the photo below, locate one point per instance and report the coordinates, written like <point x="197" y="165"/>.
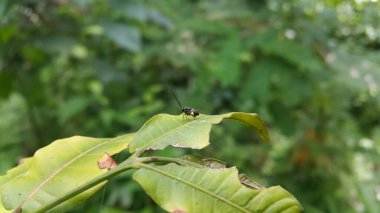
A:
<point x="188" y="111"/>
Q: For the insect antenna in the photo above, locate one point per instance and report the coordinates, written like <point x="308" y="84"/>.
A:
<point x="176" y="98"/>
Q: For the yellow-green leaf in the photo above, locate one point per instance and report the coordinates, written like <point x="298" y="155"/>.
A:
<point x="12" y="174"/>
<point x="57" y="169"/>
<point x="192" y="190"/>
<point x="163" y="130"/>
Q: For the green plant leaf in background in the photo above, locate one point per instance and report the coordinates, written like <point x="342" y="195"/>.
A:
<point x="126" y="36"/>
<point x="130" y="9"/>
<point x="72" y="107"/>
<point x="227" y="61"/>
<point x="5" y="82"/>
<point x="3" y="5"/>
<point x="290" y="51"/>
<point x="163" y="130"/>
<point x="57" y="169"/>
<point x="190" y="189"/>
<point x="321" y="96"/>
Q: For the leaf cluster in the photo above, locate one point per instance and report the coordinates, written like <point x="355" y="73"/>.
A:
<point x="64" y="173"/>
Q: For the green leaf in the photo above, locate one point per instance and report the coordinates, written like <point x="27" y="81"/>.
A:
<point x="227" y="67"/>
<point x="2" y="209"/>
<point x="163" y="130"/>
<point x="130" y="9"/>
<point x="56" y="43"/>
<point x="6" y="82"/>
<point x="56" y="170"/>
<point x="13" y="174"/>
<point x="3" y="5"/>
<point x="16" y="172"/>
<point x="270" y="42"/>
<point x="126" y="36"/>
<point x="291" y="52"/>
<point x="258" y="81"/>
<point x="190" y="189"/>
<point x="72" y="107"/>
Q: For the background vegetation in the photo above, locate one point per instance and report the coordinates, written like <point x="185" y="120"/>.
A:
<point x="311" y="69"/>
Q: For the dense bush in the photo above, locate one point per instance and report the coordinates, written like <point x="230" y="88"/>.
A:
<point x="99" y="68"/>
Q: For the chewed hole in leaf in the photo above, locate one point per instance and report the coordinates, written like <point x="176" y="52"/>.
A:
<point x="248" y="182"/>
<point x="214" y="163"/>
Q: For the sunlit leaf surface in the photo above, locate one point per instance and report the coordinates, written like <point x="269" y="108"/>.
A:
<point x="192" y="190"/>
<point x="163" y="130"/>
<point x="57" y="169"/>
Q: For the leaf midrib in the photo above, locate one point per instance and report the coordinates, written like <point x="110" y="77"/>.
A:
<point x="190" y="184"/>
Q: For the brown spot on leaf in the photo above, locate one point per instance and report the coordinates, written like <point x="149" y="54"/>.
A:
<point x="21" y="161"/>
<point x="179" y="211"/>
<point x="180" y="145"/>
<point x="246" y="181"/>
<point x="107" y="162"/>
<point x="214" y="163"/>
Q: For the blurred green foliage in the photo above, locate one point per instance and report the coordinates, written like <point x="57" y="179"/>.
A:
<point x="311" y="69"/>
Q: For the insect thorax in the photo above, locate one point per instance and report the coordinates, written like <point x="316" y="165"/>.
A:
<point x="187" y="110"/>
